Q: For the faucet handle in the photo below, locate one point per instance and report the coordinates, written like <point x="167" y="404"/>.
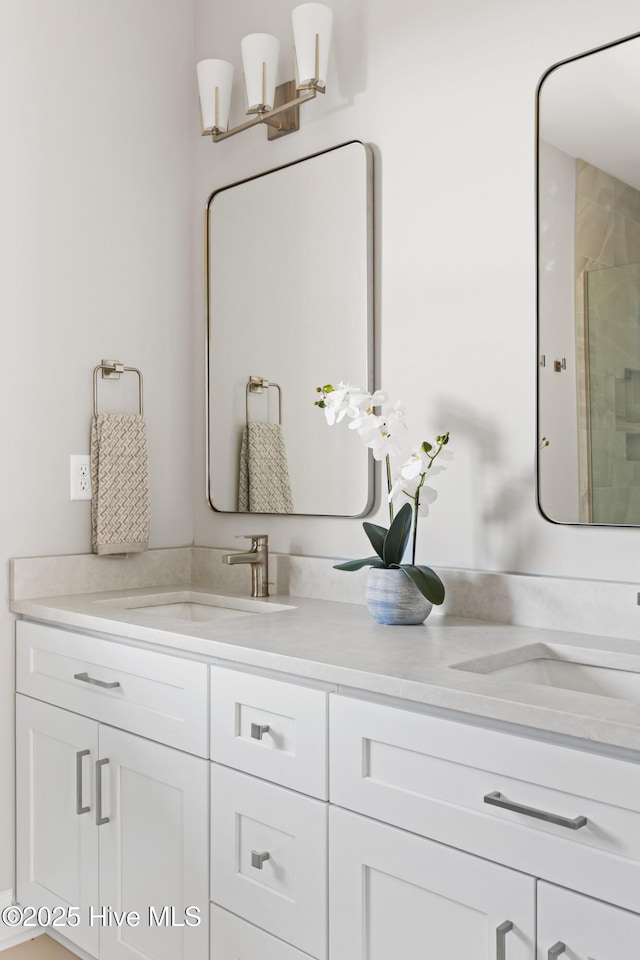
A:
<point x="257" y="539"/>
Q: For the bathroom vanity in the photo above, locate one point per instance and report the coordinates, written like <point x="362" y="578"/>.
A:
<point x="312" y="784"/>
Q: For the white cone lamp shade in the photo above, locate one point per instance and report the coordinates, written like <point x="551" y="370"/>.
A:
<point x="312" y="24"/>
<point x="215" y="79"/>
<point x="260" y="52"/>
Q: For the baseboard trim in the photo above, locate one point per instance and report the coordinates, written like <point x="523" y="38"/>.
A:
<point x="12" y="936"/>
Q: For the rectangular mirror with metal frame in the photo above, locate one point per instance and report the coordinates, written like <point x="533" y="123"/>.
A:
<point x="589" y="287"/>
<point x="290" y="308"/>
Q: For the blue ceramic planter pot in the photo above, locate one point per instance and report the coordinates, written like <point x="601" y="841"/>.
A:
<point x="394" y="599"/>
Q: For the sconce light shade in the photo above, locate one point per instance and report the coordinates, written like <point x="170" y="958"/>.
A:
<point x="312" y="24"/>
<point x="260" y="52"/>
<point x="215" y="79"/>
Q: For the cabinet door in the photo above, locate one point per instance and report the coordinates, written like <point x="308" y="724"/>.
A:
<point x="580" y="928"/>
<point x="57" y="840"/>
<point x="153" y="850"/>
<point x="393" y="894"/>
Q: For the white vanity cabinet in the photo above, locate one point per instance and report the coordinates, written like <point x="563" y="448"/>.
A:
<point x="306" y="822"/>
<point x="269" y="818"/>
<point x="548" y="817"/>
<point x="109" y="821"/>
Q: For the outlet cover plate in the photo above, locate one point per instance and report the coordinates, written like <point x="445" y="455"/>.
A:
<point x="79" y="476"/>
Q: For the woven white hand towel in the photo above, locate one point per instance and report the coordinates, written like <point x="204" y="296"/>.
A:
<point x="263" y="485"/>
<point x="120" y="484"/>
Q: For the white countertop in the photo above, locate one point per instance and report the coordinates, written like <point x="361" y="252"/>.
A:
<point x="339" y="643"/>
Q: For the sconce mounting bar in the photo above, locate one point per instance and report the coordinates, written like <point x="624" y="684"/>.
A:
<point x="277" y="128"/>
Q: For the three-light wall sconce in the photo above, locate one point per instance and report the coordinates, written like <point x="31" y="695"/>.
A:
<point x="276" y="106"/>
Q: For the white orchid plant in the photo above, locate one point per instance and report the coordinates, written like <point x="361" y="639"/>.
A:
<point x="383" y="433"/>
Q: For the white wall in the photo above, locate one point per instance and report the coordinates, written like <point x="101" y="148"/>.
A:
<point x="446" y="94"/>
<point x="95" y="240"/>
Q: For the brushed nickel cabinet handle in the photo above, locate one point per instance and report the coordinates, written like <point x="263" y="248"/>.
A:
<point x="99" y="818"/>
<point x="497" y="799"/>
<point x="257" y="859"/>
<point x="556" y="950"/>
<point x="258" y="730"/>
<point x="501" y="934"/>
<point x="98" y="683"/>
<point x="79" y="755"/>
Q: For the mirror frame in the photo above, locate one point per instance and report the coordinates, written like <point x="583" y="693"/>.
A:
<point x="370" y="364"/>
<point x="543" y="78"/>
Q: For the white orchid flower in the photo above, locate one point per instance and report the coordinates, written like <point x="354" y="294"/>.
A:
<point x="362" y="407"/>
<point x="382" y="433"/>
<point x="420" y="462"/>
<point x="336" y="403"/>
<point x="417" y="464"/>
<point x="408" y="487"/>
<point x="362" y="404"/>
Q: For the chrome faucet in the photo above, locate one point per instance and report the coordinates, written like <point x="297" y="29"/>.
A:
<point x="258" y="557"/>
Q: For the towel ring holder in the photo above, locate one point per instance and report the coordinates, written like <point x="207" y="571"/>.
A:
<point x="111" y="369"/>
<point x="257" y="385"/>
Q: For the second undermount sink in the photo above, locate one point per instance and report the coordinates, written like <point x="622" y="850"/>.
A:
<point x="600" y="672"/>
<point x="189" y="605"/>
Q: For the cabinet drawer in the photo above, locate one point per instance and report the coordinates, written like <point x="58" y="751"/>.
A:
<point x="235" y="939"/>
<point x="432" y="776"/>
<point x="284" y="892"/>
<point x="157" y="696"/>
<point x="272" y="729"/>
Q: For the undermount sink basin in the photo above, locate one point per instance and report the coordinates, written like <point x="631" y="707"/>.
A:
<point x="187" y="605"/>
<point x="599" y="672"/>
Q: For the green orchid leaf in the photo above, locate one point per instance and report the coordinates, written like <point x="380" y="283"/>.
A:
<point x="377" y="536"/>
<point x="398" y="536"/>
<point x="426" y="580"/>
<point x="358" y="564"/>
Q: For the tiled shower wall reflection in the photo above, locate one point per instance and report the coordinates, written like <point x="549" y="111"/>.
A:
<point x="608" y="236"/>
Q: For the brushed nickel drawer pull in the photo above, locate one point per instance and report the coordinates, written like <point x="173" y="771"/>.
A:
<point x="501" y="933"/>
<point x="497" y="800"/>
<point x="556" y="950"/>
<point x="98" y="683"/>
<point x="257" y="859"/>
<point x="258" y="730"/>
<point x="79" y="755"/>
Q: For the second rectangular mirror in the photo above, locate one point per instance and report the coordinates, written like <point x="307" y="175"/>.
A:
<point x="589" y="287"/>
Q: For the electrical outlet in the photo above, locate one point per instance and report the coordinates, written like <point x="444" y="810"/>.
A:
<point x="79" y="476"/>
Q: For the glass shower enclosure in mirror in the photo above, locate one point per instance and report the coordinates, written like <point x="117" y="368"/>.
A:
<point x="589" y="287"/>
<point x="290" y="264"/>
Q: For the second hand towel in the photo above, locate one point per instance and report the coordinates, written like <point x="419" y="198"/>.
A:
<point x="264" y="485"/>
